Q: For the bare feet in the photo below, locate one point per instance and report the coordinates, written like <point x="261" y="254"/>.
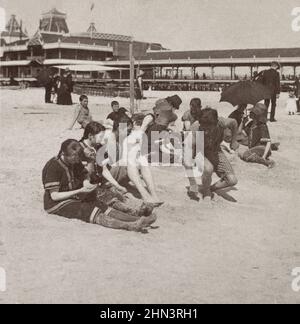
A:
<point x="150" y="220"/>
<point x="146" y="209"/>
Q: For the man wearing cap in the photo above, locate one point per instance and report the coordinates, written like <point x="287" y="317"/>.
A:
<point x="271" y="79"/>
<point x="259" y="139"/>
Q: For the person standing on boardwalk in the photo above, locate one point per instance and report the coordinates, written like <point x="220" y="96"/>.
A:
<point x="271" y="79"/>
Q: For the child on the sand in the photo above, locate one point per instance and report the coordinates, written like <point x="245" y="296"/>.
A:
<point x="82" y="113"/>
<point x="291" y="104"/>
<point x="259" y="139"/>
<point x="70" y="194"/>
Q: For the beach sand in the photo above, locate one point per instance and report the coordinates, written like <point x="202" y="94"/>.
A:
<point x="242" y="249"/>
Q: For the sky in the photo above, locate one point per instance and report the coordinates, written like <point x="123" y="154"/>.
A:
<point x="176" y="24"/>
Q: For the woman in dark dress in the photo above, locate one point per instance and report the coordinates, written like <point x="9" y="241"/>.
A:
<point x="65" y="88"/>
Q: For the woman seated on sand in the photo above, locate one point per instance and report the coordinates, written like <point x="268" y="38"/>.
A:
<point x="70" y="194"/>
<point x="259" y="140"/>
<point x="113" y="166"/>
<point x="82" y="113"/>
<point x="109" y="191"/>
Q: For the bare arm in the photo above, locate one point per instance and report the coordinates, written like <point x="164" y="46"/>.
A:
<point x="75" y="116"/>
<point x="233" y="126"/>
<point x="267" y="150"/>
<point x="146" y="122"/>
<point x="61" y="196"/>
<point x="107" y="175"/>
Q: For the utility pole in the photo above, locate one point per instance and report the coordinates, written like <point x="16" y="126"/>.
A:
<point x="131" y="76"/>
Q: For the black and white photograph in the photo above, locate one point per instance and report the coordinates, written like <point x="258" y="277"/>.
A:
<point x="150" y="154"/>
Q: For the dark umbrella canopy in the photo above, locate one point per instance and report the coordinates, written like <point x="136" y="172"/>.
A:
<point x="245" y="92"/>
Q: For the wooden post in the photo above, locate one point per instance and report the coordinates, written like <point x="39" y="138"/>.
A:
<point x="131" y="77"/>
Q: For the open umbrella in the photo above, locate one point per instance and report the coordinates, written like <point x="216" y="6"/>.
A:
<point x="245" y="92"/>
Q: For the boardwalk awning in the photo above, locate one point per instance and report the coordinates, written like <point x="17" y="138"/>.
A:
<point x="15" y="63"/>
<point x="88" y="68"/>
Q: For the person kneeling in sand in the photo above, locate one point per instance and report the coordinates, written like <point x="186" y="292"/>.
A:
<point x="215" y="159"/>
<point x="69" y="193"/>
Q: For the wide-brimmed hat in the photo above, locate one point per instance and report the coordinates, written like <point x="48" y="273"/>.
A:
<point x="175" y="101"/>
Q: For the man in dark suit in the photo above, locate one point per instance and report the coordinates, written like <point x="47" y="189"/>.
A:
<point x="271" y="79"/>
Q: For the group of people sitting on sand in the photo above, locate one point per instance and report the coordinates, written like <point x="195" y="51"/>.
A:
<point x="90" y="179"/>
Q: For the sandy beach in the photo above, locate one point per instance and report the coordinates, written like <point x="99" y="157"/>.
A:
<point x="241" y="250"/>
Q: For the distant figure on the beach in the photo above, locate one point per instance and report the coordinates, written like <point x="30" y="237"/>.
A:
<point x="259" y="139"/>
<point x="69" y="193"/>
<point x="271" y="79"/>
<point x="291" y="103"/>
<point x="297" y="92"/>
<point x="139" y="92"/>
<point x="82" y="113"/>
<point x="65" y="89"/>
<point x="48" y="88"/>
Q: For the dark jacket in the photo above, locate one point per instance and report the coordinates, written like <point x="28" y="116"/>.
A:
<point x="271" y="79"/>
<point x="297" y="87"/>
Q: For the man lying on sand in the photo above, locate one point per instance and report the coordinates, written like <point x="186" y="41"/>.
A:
<point x="70" y="194"/>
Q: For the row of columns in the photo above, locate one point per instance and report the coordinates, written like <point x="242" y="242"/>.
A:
<point x="212" y="71"/>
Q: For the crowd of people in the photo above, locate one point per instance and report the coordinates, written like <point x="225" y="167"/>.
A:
<point x="90" y="178"/>
<point x="59" y="88"/>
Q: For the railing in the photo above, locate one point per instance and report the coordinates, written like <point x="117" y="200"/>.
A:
<point x="102" y="91"/>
